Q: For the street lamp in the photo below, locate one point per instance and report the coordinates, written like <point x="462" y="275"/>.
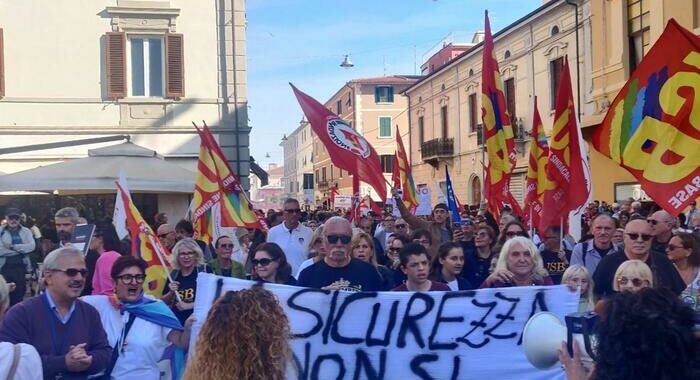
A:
<point x="347" y="63"/>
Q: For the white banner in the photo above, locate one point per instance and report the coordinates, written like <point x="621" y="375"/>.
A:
<point x="405" y="335"/>
<point x="343" y="201"/>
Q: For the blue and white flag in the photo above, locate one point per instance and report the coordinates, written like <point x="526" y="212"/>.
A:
<point x="451" y="200"/>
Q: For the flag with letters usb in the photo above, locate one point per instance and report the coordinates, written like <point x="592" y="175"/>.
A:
<point x="498" y="131"/>
<point x="568" y="183"/>
<point x="347" y="149"/>
<point x="652" y="128"/>
<point x="402" y="170"/>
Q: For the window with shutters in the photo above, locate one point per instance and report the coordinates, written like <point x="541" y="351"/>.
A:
<point x="509" y="93"/>
<point x="385" y="126"/>
<point x="443" y="121"/>
<point x="473" y="115"/>
<point x="387" y="161"/>
<point x="384" y="94"/>
<point x="146" y="65"/>
<point x="555" y="69"/>
<point x="421" y="130"/>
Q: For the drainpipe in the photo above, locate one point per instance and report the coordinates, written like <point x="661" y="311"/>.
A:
<point x="578" y="71"/>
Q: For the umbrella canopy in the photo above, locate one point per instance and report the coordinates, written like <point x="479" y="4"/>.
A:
<point x="144" y="169"/>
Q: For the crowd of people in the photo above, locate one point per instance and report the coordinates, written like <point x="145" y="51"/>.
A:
<point x="83" y="319"/>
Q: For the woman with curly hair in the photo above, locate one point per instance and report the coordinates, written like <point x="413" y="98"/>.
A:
<point x="243" y="338"/>
<point x="645" y="335"/>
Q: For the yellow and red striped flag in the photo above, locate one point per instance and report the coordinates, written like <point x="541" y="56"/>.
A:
<point x="145" y="245"/>
<point x="536" y="171"/>
<point x="403" y="174"/>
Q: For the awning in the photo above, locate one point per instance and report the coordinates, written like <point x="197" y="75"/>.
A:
<point x="144" y="169"/>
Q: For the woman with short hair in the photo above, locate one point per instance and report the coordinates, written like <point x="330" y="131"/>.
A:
<point x="519" y="264"/>
<point x="684" y="252"/>
<point x="138" y="328"/>
<point x="188" y="261"/>
<point x="577" y="278"/>
<point x="632" y="276"/>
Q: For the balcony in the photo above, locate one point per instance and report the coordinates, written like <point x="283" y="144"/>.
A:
<point x="322" y="185"/>
<point x="434" y="150"/>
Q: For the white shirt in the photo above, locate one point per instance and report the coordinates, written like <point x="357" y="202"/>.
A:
<point x="143" y="346"/>
<point x="294" y="242"/>
<point x="28" y="366"/>
<point x="454" y="285"/>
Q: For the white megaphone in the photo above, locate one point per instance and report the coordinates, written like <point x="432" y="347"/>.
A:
<point x="544" y="333"/>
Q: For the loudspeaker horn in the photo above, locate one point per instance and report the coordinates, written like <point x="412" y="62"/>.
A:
<point x="542" y="337"/>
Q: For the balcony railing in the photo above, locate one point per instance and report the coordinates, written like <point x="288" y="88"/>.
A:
<point x="434" y="150"/>
<point x="322" y="185"/>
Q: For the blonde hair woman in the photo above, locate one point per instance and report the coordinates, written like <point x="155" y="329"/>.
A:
<point x="632" y="276"/>
<point x="362" y="248"/>
<point x="316" y="250"/>
<point x="519" y="264"/>
<point x="575" y="277"/>
<point x="188" y="261"/>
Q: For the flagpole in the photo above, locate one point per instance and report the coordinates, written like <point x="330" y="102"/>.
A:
<point x="156" y="248"/>
<point x="561" y="232"/>
<point x="532" y="227"/>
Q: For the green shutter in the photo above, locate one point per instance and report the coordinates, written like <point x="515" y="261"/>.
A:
<point x="376" y="94"/>
<point x="384" y="127"/>
<point x="390" y="96"/>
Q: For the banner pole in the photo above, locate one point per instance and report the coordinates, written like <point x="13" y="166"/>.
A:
<point x="532" y="227"/>
<point x="156" y="248"/>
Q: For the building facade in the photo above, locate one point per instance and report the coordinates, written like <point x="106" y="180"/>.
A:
<point x="445" y="106"/>
<point x="298" y="155"/>
<point x="374" y="107"/>
<point x="622" y="33"/>
<point x="101" y="68"/>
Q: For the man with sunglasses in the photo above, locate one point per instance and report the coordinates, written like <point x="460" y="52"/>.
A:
<point x="661" y="223"/>
<point x="637" y="246"/>
<point x="66" y="331"/>
<point x="292" y="236"/>
<point x="166" y="235"/>
<point x="16" y="242"/>
<point x="338" y="270"/>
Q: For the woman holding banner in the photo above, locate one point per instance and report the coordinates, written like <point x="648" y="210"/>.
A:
<point x="245" y="336"/>
<point x="362" y="248"/>
<point x="138" y="328"/>
<point x="519" y="264"/>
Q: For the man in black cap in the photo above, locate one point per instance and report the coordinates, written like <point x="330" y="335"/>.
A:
<point x="16" y="242"/>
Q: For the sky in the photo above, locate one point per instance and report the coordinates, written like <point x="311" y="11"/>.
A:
<point x="304" y="42"/>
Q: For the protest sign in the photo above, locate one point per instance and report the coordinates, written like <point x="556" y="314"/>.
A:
<point x="405" y="335"/>
<point x="424" y="207"/>
<point x="81" y="237"/>
<point x="343" y="201"/>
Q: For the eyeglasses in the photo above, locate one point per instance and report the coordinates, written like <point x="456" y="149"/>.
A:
<point x="131" y="278"/>
<point x="400" y="225"/>
<point x="188" y="253"/>
<point x="652" y="222"/>
<point x="292" y="211"/>
<point x="671" y="247"/>
<point x="225" y="245"/>
<point x="394" y="249"/>
<point x="13" y="217"/>
<point x="635" y="236"/>
<point x="636" y="282"/>
<point x="482" y="234"/>
<point x="72" y="272"/>
<point x="261" y="262"/>
<point x="333" y="239"/>
<point x="511" y="234"/>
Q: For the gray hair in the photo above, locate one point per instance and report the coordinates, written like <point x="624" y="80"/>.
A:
<point x="336" y="220"/>
<point x="4" y="295"/>
<point x="51" y="260"/>
<point x="184" y="244"/>
<point x="68" y="212"/>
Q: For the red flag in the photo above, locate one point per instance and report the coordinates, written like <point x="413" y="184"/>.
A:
<point x="568" y="179"/>
<point x="375" y="207"/>
<point x="395" y="171"/>
<point x="333" y="192"/>
<point x="536" y="171"/>
<point x="500" y="145"/>
<point x="652" y="128"/>
<point x="347" y="149"/>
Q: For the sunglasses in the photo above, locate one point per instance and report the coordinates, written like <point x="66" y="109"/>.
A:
<point x="671" y="247"/>
<point x="400" y="225"/>
<point x="261" y="262"/>
<point x="131" y="278"/>
<point x="637" y="282"/>
<point x="652" y="222"/>
<point x="635" y="236"/>
<point x="225" y="245"/>
<point x="511" y="234"/>
<point x="72" y="272"/>
<point x="13" y="217"/>
<point x="292" y="211"/>
<point x="333" y="239"/>
<point x="394" y="249"/>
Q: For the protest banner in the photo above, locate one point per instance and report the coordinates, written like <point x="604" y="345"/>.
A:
<point x="424" y="207"/>
<point x="343" y="201"/>
<point x="405" y="335"/>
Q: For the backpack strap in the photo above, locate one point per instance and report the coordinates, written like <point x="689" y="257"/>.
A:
<point x="15" y="362"/>
<point x="584" y="252"/>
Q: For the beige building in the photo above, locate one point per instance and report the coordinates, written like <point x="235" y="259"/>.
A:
<point x="622" y="33"/>
<point x="445" y="106"/>
<point x="373" y="107"/>
<point x="72" y="70"/>
<point x="298" y="177"/>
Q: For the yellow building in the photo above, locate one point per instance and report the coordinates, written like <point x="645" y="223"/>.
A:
<point x="445" y="106"/>
<point x="373" y="107"/>
<point x="622" y="32"/>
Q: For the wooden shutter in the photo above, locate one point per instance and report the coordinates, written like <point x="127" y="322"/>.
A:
<point x="115" y="48"/>
<point x="2" y="65"/>
<point x="174" y="66"/>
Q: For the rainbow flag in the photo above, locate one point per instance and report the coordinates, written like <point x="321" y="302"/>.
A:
<point x="145" y="245"/>
<point x="403" y="174"/>
<point x="216" y="182"/>
<point x="500" y="144"/>
<point x="652" y="128"/>
<point x="536" y="171"/>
